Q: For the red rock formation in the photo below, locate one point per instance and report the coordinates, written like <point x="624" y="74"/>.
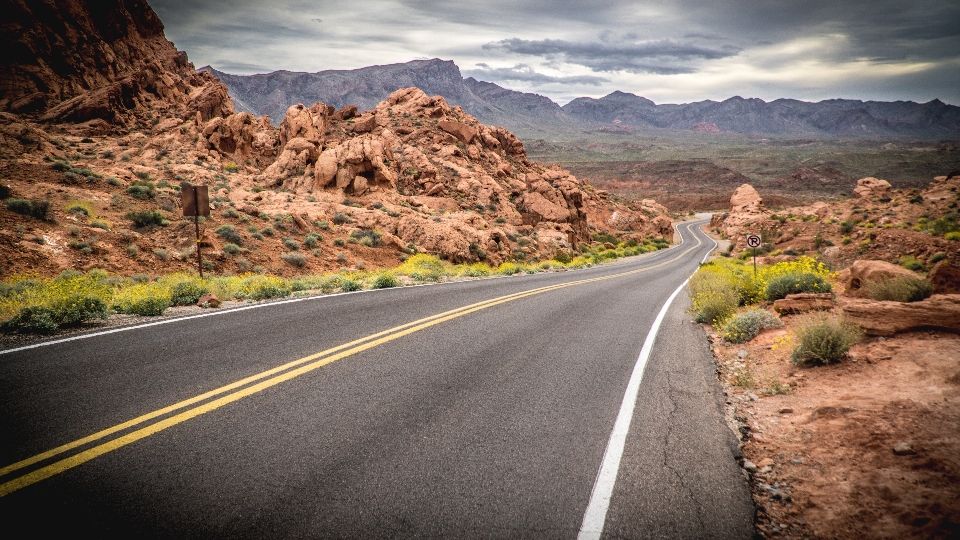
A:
<point x="804" y="302"/>
<point x="940" y="312"/>
<point x="75" y="61"/>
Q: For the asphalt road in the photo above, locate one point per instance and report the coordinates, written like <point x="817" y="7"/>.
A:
<point x="488" y="422"/>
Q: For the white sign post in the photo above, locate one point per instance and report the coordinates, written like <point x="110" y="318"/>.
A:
<point x="754" y="241"/>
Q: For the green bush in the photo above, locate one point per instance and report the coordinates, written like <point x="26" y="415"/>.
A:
<point x="422" y="267"/>
<point x="230" y="234"/>
<point x="366" y="237"/>
<point x="349" y="285"/>
<point x="899" y="289"/>
<point x="144" y="218"/>
<point x="824" y="340"/>
<point x="911" y="263"/>
<point x="146" y="299"/>
<point x="312" y="239"/>
<point x="291" y="244"/>
<point x="385" y="281"/>
<point x="68" y="300"/>
<point x="188" y="291"/>
<point x="340" y="218"/>
<point x="264" y="287"/>
<point x="746" y="326"/>
<point x="781" y="286"/>
<point x="141" y="189"/>
<point x="713" y="294"/>
<point x="37" y="209"/>
<point x="231" y="249"/>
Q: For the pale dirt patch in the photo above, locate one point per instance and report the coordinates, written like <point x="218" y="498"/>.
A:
<point x="825" y="450"/>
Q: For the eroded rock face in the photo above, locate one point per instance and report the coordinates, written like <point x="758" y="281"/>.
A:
<point x="940" y="311"/>
<point x="868" y="188"/>
<point x="945" y="278"/>
<point x="746" y="200"/>
<point x="108" y="61"/>
<point x="804" y="302"/>
<point x="747" y="215"/>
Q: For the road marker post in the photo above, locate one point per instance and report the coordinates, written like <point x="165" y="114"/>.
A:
<point x="196" y="202"/>
<point x="754" y="241"/>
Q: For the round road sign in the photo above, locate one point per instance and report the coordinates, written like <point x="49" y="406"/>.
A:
<point x="753" y="241"/>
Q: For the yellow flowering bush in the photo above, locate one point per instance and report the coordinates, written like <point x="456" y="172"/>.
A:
<point x="150" y="298"/>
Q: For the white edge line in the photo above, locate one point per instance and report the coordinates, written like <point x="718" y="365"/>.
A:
<point x="230" y="311"/>
<point x="596" y="514"/>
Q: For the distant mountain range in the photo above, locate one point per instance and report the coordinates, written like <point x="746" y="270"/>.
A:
<point x="532" y="114"/>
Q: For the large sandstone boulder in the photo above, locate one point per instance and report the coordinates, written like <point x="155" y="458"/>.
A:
<point x="868" y="188"/>
<point x="853" y="279"/>
<point x="939" y="312"/>
<point x="945" y="278"/>
<point x="746" y="200"/>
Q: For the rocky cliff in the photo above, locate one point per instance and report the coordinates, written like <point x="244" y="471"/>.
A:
<point x="106" y="63"/>
<point x="102" y="146"/>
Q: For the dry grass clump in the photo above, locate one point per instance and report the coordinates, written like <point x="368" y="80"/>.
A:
<point x="824" y="339"/>
<point x="899" y="289"/>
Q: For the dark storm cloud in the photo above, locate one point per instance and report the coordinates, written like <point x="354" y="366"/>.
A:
<point x="662" y="56"/>
<point x="731" y="45"/>
<point x="525" y="73"/>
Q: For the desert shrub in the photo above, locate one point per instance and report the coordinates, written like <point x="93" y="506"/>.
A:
<point x="37" y="209"/>
<point x="824" y="340"/>
<point x="477" y="270"/>
<point x="366" y="237"/>
<point x="340" y="218"/>
<point x="385" y="280"/>
<point x="148" y="299"/>
<point x="507" y="268"/>
<point x="295" y="258"/>
<point x="37" y="306"/>
<point x="267" y="231"/>
<point x="80" y="208"/>
<point x="144" y="218"/>
<point x="231" y="167"/>
<point x="185" y="289"/>
<point x="100" y="224"/>
<point x="911" y="263"/>
<point x="291" y="244"/>
<point x="937" y="257"/>
<point x="141" y="189"/>
<point x="423" y="267"/>
<point x="230" y="213"/>
<point x="780" y="286"/>
<point x="899" y="289"/>
<point x="338" y="241"/>
<point x="230" y="234"/>
<point x="312" y="239"/>
<point x="955" y="236"/>
<point x="714" y="291"/>
<point x="846" y="226"/>
<point x="162" y="254"/>
<point x="746" y="326"/>
<point x="349" y="285"/>
<point x="231" y="249"/>
<point x="263" y="287"/>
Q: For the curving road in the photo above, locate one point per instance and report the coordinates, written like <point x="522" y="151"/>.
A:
<point x="483" y="408"/>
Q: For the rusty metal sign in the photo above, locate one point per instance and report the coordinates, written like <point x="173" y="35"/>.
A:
<point x="196" y="201"/>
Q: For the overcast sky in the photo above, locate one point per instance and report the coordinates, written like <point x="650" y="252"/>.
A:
<point x="670" y="51"/>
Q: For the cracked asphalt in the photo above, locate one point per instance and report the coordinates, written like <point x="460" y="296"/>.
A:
<point x="491" y="424"/>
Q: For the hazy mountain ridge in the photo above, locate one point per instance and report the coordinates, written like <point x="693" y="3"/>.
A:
<point x="272" y="93"/>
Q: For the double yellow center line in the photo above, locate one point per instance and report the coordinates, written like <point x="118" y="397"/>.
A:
<point x="248" y="386"/>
